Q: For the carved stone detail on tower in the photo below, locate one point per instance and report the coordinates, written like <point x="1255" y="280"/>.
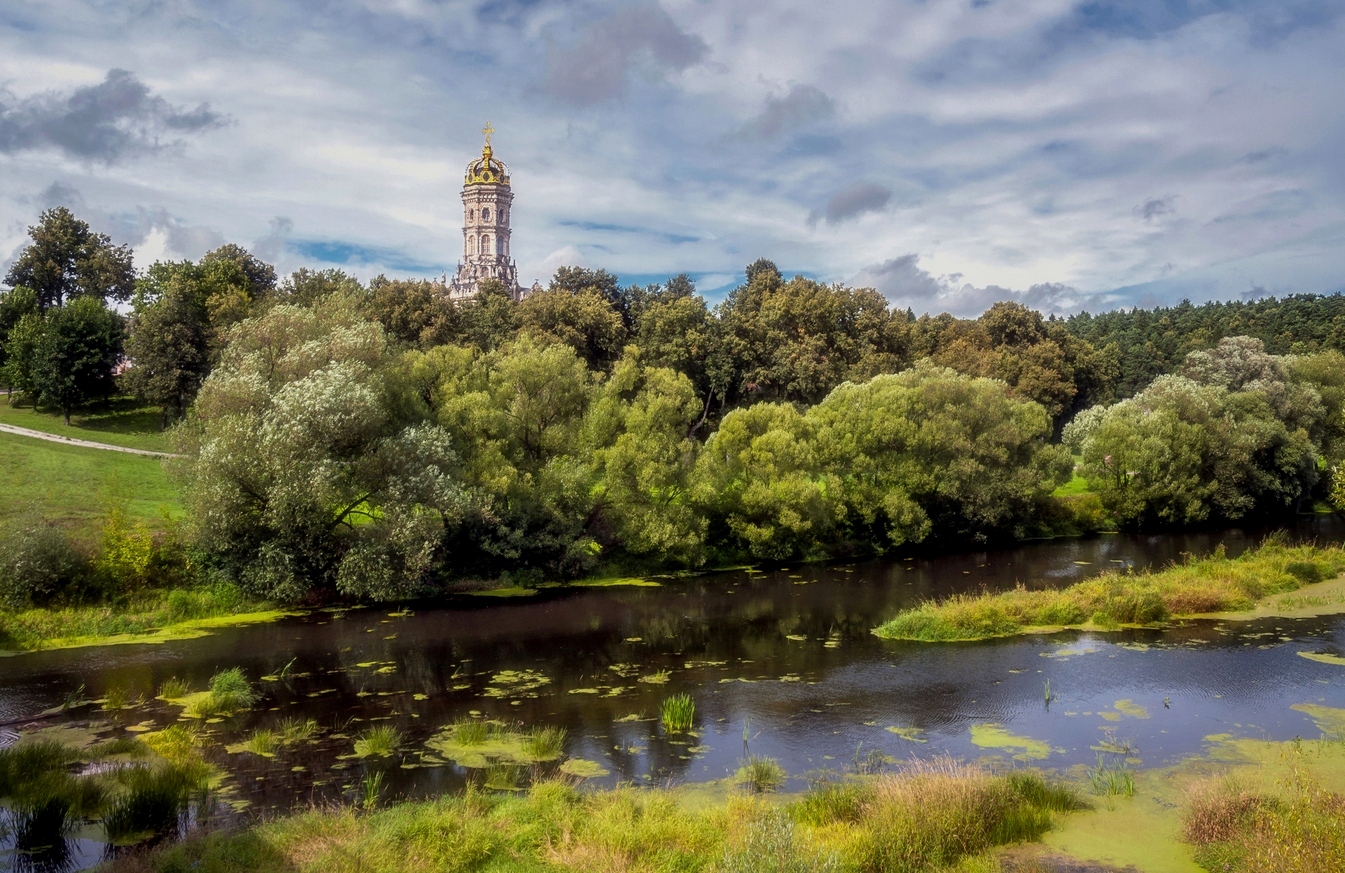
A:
<point x="486" y="205"/>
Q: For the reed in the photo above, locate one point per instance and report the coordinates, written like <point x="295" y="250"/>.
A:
<point x="545" y="744"/>
<point x="381" y="741"/>
<point x="679" y="713"/>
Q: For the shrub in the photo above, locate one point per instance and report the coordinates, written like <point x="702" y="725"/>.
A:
<point x="38" y="564"/>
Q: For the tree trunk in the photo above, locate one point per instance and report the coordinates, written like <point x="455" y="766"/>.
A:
<point x="66" y="413"/>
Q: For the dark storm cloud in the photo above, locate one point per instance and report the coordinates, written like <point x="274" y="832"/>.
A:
<point x="116" y="118"/>
<point x="596" y="67"/>
<point x="853" y="202"/>
<point x="803" y="105"/>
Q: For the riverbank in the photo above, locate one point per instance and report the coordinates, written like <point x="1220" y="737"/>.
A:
<point x="927" y="816"/>
<point x="150" y="616"/>
<point x="1273" y="578"/>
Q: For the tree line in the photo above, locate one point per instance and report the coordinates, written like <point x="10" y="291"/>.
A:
<point x="377" y="440"/>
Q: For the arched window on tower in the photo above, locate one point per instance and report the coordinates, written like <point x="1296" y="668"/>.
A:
<point x="485" y="245"/>
<point x="499" y="246"/>
<point x="485" y="214"/>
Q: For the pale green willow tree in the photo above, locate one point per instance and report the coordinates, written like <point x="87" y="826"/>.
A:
<point x="932" y="451"/>
<point x="1182" y="452"/>
<point x="303" y="475"/>
<point x="761" y="479"/>
<point x="563" y="465"/>
<point x="893" y="460"/>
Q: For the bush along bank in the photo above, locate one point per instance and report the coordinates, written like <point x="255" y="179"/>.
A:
<point x="129" y="583"/>
<point x="1201" y="586"/>
<point x="927" y="816"/>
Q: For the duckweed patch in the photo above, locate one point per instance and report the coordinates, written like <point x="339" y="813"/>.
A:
<point x="516" y="684"/>
<point x="910" y="734"/>
<point x="581" y="768"/>
<point x="1323" y="658"/>
<point x="994" y="736"/>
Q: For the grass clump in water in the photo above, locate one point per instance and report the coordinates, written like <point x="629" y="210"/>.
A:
<point x="761" y="774"/>
<point x="297" y="730"/>
<point x="679" y="713"/>
<point x="471" y="732"/>
<point x="151" y="802"/>
<point x="1205" y="585"/>
<point x="173" y="688"/>
<point x="545" y="744"/>
<point x="263" y="742"/>
<point x="230" y="692"/>
<point x="381" y="741"/>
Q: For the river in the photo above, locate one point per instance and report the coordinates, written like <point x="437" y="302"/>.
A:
<point x="780" y="664"/>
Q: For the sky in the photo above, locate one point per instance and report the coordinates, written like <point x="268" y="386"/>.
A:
<point x="1070" y="155"/>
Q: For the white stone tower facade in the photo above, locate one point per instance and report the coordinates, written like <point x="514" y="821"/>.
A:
<point x="486" y="202"/>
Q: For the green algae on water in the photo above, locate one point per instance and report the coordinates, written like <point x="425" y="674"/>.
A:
<point x="583" y="769"/>
<point x="1323" y="658"/>
<point x="910" y="734"/>
<point x="992" y="735"/>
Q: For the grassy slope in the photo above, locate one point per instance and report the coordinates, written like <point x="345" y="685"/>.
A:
<point x="1208" y="585"/>
<point x="123" y="422"/>
<point x="73" y="486"/>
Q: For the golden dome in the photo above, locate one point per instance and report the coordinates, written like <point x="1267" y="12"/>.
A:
<point x="487" y="169"/>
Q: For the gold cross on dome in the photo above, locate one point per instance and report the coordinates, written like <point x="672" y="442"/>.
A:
<point x="487" y="130"/>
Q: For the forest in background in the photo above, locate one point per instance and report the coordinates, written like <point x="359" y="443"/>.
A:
<point x="344" y="439"/>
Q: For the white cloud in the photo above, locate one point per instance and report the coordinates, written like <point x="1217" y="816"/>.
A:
<point x="1021" y="144"/>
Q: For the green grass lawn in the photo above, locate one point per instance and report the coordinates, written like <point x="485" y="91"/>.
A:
<point x="74" y="486"/>
<point x="123" y="421"/>
<point x="1076" y="485"/>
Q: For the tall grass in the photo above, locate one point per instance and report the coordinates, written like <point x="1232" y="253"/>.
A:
<point x="152" y="802"/>
<point x="679" y="713"/>
<point x="917" y="819"/>
<point x="1238" y="830"/>
<point x="1212" y="584"/>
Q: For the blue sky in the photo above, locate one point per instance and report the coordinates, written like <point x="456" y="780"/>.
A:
<point x="1070" y="155"/>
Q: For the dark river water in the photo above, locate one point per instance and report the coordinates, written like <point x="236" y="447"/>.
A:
<point x="780" y="664"/>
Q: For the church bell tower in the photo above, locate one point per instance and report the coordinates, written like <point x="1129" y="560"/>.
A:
<point x="486" y="202"/>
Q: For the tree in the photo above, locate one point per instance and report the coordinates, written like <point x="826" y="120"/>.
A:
<point x="932" y="451"/>
<point x="1181" y="453"/>
<point x="169" y="350"/>
<point x="491" y="319"/>
<point x="302" y="478"/>
<point x="14" y="305"/>
<point x="584" y="320"/>
<point x="761" y="482"/>
<point x="417" y="313"/>
<point x="66" y="259"/>
<point x="576" y="280"/>
<point x="75" y="354"/>
<point x="797" y="340"/>
<point x="305" y="287"/>
<point x="259" y="277"/>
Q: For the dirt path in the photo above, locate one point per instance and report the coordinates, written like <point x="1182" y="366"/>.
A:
<point x="87" y="444"/>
